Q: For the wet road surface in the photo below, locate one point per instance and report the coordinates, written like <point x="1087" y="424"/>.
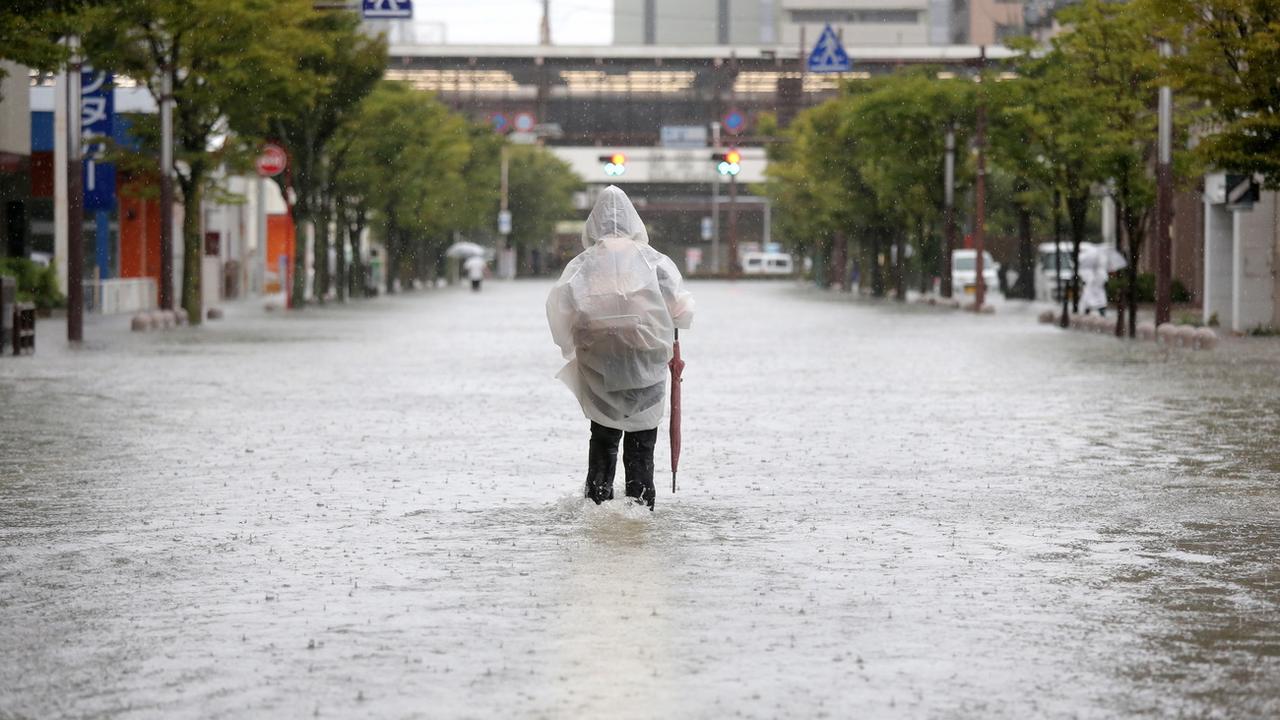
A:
<point x="884" y="512"/>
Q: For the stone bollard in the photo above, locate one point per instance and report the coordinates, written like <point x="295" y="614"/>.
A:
<point x="1187" y="336"/>
<point x="214" y="313"/>
<point x="1146" y="330"/>
<point x="180" y="315"/>
<point x="153" y="318"/>
<point x="1206" y="338"/>
<point x="1048" y="317"/>
<point x="167" y="320"/>
<point x="140" y="322"/>
<point x="1166" y="334"/>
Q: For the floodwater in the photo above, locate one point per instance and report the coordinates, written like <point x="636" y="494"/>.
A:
<point x="372" y="511"/>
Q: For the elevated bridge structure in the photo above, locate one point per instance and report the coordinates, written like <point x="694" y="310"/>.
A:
<point x="587" y="101"/>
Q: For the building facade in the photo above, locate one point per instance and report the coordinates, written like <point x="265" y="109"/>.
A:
<point x="799" y="22"/>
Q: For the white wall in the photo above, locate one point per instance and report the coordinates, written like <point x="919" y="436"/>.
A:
<point x="15" y="110"/>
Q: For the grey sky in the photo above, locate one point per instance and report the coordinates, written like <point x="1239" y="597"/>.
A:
<point x="573" y="22"/>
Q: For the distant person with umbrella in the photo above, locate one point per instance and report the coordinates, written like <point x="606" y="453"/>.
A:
<point x="475" y="267"/>
<point x="614" y="313"/>
<point x="1097" y="262"/>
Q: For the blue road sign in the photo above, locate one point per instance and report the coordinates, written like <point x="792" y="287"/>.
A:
<point x="97" y="114"/>
<point x="829" y="55"/>
<point x="734" y="121"/>
<point x="387" y="9"/>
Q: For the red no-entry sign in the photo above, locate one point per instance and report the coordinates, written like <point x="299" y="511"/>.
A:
<point x="272" y="161"/>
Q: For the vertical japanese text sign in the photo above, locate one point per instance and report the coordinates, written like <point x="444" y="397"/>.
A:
<point x="97" y="111"/>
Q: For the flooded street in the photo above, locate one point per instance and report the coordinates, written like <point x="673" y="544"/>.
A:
<point x="883" y="511"/>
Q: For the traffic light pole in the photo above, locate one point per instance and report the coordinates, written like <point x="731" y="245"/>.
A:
<point x="735" y="268"/>
<point x="715" y="202"/>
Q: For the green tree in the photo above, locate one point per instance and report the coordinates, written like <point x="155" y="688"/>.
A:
<point x="540" y="194"/>
<point x="900" y="127"/>
<point x="232" y="65"/>
<point x="343" y="65"/>
<point x="1059" y="118"/>
<point x="30" y="31"/>
<point x="1230" y="59"/>
<point x="405" y="158"/>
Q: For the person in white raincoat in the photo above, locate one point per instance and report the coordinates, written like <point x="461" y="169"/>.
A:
<point x="614" y="313"/>
<point x="1097" y="262"/>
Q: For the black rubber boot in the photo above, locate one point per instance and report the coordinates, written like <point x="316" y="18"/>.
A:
<point x="637" y="461"/>
<point x="602" y="462"/>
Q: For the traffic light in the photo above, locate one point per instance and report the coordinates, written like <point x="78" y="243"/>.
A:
<point x="615" y="164"/>
<point x="728" y="163"/>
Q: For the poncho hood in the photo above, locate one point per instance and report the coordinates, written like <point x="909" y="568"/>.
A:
<point x="613" y="217"/>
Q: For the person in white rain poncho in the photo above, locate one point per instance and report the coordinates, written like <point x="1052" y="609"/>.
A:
<point x="614" y="313"/>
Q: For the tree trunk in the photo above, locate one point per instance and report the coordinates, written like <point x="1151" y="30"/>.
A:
<point x="1025" y="288"/>
<point x="1057" y="247"/>
<point x="839" y="262"/>
<point x="1077" y="216"/>
<point x="192" y="246"/>
<point x="340" y="247"/>
<point x="393" y="254"/>
<point x="900" y="267"/>
<point x="322" y="249"/>
<point x="877" y="271"/>
<point x="357" y="271"/>
<point x="298" y="283"/>
<point x="1133" y="233"/>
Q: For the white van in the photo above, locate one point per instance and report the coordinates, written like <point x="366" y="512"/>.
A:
<point x="964" y="271"/>
<point x="766" y="263"/>
<point x="1049" y="269"/>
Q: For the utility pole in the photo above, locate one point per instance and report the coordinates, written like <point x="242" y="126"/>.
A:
<point x="75" y="199"/>
<point x="1164" y="200"/>
<point x="544" y="30"/>
<point x="949" y="195"/>
<point x="166" y="188"/>
<point x="980" y="186"/>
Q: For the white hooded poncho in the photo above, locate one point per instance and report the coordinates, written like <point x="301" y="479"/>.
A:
<point x="613" y="313"/>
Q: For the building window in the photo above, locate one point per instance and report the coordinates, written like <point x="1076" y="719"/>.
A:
<point x="855" y="17"/>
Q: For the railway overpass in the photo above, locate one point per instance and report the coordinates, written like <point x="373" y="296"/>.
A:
<point x="654" y="105"/>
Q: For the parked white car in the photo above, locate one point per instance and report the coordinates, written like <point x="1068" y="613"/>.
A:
<point x="767" y="263"/>
<point x="964" y="271"/>
<point x="1050" y="269"/>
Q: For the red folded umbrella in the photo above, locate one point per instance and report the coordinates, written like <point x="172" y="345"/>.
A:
<point x="677" y="368"/>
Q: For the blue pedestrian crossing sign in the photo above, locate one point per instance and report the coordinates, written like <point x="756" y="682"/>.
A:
<point x="387" y="9"/>
<point x="829" y="55"/>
